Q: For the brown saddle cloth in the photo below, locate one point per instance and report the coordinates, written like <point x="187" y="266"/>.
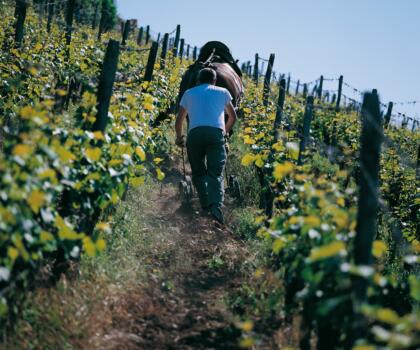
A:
<point x="216" y="55"/>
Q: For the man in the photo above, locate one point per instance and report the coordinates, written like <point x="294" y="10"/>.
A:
<point x="206" y="105"/>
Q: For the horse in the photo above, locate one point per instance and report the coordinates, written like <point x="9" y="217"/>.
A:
<point x="215" y="55"/>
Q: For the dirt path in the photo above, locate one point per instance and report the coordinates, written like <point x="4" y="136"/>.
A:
<point x="183" y="305"/>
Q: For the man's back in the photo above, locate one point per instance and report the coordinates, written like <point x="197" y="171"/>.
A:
<point x="205" y="105"/>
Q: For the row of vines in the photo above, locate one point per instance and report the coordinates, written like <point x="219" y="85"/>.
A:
<point x="60" y="175"/>
<point x="311" y="228"/>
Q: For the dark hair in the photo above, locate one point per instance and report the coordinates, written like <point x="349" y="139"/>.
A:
<point x="207" y="76"/>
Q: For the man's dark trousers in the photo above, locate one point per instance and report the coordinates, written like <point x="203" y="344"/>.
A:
<point x="207" y="156"/>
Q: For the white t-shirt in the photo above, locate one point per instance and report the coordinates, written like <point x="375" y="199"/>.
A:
<point x="205" y="105"/>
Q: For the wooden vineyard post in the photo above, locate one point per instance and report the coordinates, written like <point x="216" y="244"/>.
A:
<point x="413" y="126"/>
<point x="404" y="122"/>
<point x="340" y="90"/>
<point x="195" y="53"/>
<point x="164" y="51"/>
<point x="177" y="38"/>
<point x="20" y="14"/>
<point x="297" y="87"/>
<point x="280" y="105"/>
<point x="158" y="38"/>
<point x="95" y="15"/>
<point x="388" y="114"/>
<point x="334" y="97"/>
<point x="305" y="90"/>
<point x="102" y="20"/>
<point x="69" y="22"/>
<point x="50" y="15"/>
<point x="147" y="34"/>
<point x="256" y="66"/>
<point x="181" y="49"/>
<point x="140" y="36"/>
<point x="188" y="52"/>
<point x="126" y="32"/>
<point x="267" y="196"/>
<point x="306" y="127"/>
<point x="106" y="82"/>
<point x="148" y="75"/>
<point x="267" y="79"/>
<point x="418" y="164"/>
<point x="320" y="87"/>
<point x="288" y="84"/>
<point x="371" y="140"/>
<point x="87" y="225"/>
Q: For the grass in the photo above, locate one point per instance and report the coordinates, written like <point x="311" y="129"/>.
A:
<point x="66" y="317"/>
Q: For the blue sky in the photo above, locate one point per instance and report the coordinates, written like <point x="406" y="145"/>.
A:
<point x="372" y="43"/>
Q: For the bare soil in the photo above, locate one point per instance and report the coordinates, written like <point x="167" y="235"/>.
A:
<point x="183" y="304"/>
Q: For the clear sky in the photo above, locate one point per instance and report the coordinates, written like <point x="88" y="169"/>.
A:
<point x="372" y="43"/>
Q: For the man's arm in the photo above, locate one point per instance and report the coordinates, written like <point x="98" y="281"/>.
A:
<point x="230" y="111"/>
<point x="182" y="113"/>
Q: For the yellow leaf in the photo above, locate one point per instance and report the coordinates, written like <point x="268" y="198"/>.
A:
<point x="93" y="176"/>
<point x="13" y="253"/>
<point x="103" y="226"/>
<point x="89" y="247"/>
<point x="100" y="244"/>
<point x="93" y="154"/>
<point x="65" y="155"/>
<point x="278" y="146"/>
<point x="387" y="316"/>
<point x="341" y="202"/>
<point x="282" y="170"/>
<point x="148" y="106"/>
<point x="363" y="347"/>
<point x="246" y="326"/>
<point x="114" y="162"/>
<point x="379" y="248"/>
<point x="246" y="342"/>
<point x="36" y="200"/>
<point x="278" y="245"/>
<point x="327" y="251"/>
<point x="114" y="197"/>
<point x="341" y="219"/>
<point x="27" y="112"/>
<point x="65" y="231"/>
<point x="98" y="135"/>
<point x="32" y="70"/>
<point x="416" y="245"/>
<point x="21" y="150"/>
<point x="158" y="160"/>
<point x="21" y="247"/>
<point x="248" y="140"/>
<point x="160" y="174"/>
<point x="48" y="174"/>
<point x="46" y="236"/>
<point x="137" y="181"/>
<point x="140" y="152"/>
<point x="248" y="159"/>
<point x="259" y="162"/>
<point x="312" y="221"/>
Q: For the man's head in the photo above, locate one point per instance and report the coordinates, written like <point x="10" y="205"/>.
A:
<point x="207" y="76"/>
